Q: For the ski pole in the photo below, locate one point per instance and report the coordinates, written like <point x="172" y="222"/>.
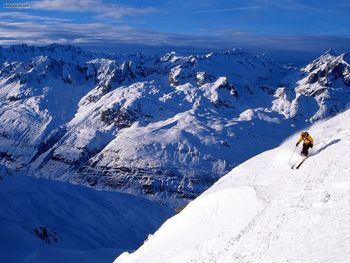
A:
<point x="292" y="154"/>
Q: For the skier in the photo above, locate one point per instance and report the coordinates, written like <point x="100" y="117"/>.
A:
<point x="308" y="142"/>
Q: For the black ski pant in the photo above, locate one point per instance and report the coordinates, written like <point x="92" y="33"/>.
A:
<point x="305" y="150"/>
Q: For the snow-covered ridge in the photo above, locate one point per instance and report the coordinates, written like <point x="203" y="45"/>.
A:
<point x="263" y="211"/>
<point x="166" y="126"/>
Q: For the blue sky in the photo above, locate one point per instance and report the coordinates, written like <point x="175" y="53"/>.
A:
<point x="263" y="25"/>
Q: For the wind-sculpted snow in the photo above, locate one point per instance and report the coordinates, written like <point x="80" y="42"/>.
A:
<point x="166" y="126"/>
<point x="264" y="211"/>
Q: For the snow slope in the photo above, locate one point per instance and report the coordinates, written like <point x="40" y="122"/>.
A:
<point x="46" y="221"/>
<point x="263" y="211"/>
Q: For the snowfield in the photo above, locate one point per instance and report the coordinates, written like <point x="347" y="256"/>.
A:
<point x="46" y="221"/>
<point x="263" y="211"/>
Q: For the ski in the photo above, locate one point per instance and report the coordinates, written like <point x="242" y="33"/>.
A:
<point x="298" y="166"/>
<point x="295" y="164"/>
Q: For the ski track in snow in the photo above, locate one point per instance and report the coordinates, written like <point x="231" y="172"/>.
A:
<point x="301" y="216"/>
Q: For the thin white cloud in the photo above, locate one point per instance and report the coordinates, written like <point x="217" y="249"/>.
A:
<point x="93" y="6"/>
<point x="241" y="8"/>
<point x="46" y="31"/>
<point x="62" y="5"/>
<point x="293" y="5"/>
<point x="21" y="16"/>
<point x="91" y="33"/>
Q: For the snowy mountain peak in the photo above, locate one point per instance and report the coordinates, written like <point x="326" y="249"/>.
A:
<point x="328" y="60"/>
<point x="330" y="52"/>
<point x="327" y="80"/>
<point x="24" y="52"/>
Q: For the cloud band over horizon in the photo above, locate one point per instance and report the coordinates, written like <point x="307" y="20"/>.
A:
<point x="103" y="23"/>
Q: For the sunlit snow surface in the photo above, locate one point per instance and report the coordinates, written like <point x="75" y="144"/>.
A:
<point x="263" y="211"/>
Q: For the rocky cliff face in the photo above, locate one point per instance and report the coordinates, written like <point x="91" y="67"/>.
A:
<point x="165" y="126"/>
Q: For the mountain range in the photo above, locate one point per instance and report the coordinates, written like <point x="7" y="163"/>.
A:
<point x="163" y="126"/>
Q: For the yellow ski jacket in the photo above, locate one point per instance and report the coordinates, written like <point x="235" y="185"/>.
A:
<point x="306" y="138"/>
